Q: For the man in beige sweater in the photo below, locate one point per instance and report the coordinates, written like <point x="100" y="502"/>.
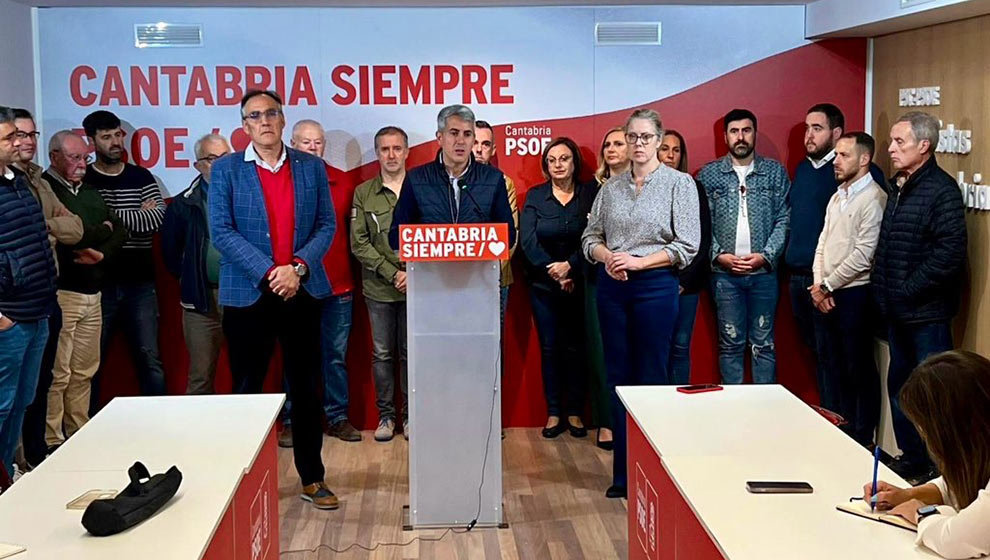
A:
<point x="841" y="290"/>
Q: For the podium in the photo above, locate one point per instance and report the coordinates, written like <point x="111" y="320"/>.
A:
<point x="454" y="377"/>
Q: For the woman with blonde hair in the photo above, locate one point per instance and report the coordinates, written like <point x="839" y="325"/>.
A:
<point x="643" y="227"/>
<point x="613" y="159"/>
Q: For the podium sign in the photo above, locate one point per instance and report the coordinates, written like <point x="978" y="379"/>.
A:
<point x="453" y="242"/>
<point x="454" y="330"/>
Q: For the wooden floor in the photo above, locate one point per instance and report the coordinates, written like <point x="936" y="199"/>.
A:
<point x="554" y="503"/>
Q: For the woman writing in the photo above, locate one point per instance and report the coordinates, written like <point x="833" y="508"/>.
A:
<point x="947" y="398"/>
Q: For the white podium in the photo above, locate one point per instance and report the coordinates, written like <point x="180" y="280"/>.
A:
<point x="454" y="330"/>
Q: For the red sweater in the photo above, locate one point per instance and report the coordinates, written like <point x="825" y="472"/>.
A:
<point x="280" y="202"/>
<point x="337" y="261"/>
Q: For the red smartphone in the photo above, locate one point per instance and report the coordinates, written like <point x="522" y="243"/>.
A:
<point x="701" y="388"/>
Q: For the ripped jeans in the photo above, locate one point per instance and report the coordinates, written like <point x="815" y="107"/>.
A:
<point x="745" y="309"/>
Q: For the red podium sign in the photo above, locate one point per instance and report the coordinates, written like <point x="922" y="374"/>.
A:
<point x="453" y="242"/>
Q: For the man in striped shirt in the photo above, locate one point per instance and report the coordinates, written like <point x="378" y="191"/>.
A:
<point x="129" y="299"/>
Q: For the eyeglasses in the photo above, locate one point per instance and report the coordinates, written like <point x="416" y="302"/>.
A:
<point x="563" y="160"/>
<point x="210" y="158"/>
<point x="21" y="135"/>
<point x="633" y="138"/>
<point x="79" y="158"/>
<point x="257" y="115"/>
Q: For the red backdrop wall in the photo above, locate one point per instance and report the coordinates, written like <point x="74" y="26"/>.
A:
<point x="778" y="90"/>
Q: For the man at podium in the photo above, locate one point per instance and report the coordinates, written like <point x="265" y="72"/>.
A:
<point x="453" y="188"/>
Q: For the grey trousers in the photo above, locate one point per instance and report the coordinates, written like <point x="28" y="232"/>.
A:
<point x="204" y="334"/>
<point x="388" y="336"/>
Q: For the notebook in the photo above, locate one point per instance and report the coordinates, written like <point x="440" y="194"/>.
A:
<point x="8" y="550"/>
<point x="862" y="509"/>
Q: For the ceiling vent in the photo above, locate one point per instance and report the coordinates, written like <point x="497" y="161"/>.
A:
<point x="161" y="34"/>
<point x="627" y="33"/>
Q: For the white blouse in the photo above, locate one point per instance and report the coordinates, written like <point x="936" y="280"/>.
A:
<point x="958" y="534"/>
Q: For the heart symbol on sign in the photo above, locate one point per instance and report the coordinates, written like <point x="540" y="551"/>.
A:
<point x="496" y="247"/>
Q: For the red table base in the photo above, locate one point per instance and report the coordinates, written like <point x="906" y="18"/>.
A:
<point x="249" y="528"/>
<point x="661" y="523"/>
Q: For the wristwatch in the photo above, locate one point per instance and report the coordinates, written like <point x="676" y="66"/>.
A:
<point x="925" y="511"/>
<point x="824" y="288"/>
<point x="301" y="269"/>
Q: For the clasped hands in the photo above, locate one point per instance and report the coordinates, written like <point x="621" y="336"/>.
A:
<point x="284" y="281"/>
<point x="823" y="300"/>
<point x="560" y="271"/>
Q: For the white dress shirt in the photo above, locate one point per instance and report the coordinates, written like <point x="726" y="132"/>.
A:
<point x="957" y="534"/>
<point x="251" y="154"/>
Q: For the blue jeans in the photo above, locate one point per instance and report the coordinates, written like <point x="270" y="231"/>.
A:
<point x="133" y="308"/>
<point x="909" y="346"/>
<point x="33" y="429"/>
<point x="21" y="349"/>
<point x="680" y="344"/>
<point x="745" y="306"/>
<point x="637" y="321"/>
<point x="335" y="328"/>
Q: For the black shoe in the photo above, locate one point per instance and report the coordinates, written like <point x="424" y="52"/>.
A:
<point x="615" y="492"/>
<point x="578" y="431"/>
<point x="914" y="472"/>
<point x="606" y="445"/>
<point x="555" y="431"/>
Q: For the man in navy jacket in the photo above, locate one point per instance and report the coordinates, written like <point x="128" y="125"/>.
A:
<point x="453" y="188"/>
<point x="27" y="290"/>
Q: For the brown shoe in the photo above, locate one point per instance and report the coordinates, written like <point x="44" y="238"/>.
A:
<point x="344" y="430"/>
<point x="285" y="437"/>
<point x="320" y="496"/>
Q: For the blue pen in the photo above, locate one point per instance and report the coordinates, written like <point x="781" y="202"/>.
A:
<point x="876" y="466"/>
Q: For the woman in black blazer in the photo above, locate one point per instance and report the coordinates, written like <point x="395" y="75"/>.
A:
<point x="553" y="219"/>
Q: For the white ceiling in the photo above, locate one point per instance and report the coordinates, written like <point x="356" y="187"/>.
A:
<point x="388" y="3"/>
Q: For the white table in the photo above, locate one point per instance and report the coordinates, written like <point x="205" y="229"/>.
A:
<point x="691" y="455"/>
<point x="228" y="500"/>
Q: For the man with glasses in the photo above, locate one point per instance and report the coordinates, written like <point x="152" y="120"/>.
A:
<point x="129" y="299"/>
<point x="63" y="227"/>
<point x="747" y="194"/>
<point x="272" y="221"/>
<point x="191" y="257"/>
<point x="27" y="291"/>
<point x="82" y="267"/>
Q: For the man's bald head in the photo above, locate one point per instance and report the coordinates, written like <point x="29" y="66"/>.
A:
<point x="308" y="136"/>
<point x="68" y="153"/>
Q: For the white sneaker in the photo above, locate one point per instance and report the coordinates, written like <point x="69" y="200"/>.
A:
<point x="18" y="473"/>
<point x="385" y="430"/>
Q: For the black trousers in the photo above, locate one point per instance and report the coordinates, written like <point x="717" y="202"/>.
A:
<point x="845" y="348"/>
<point x="251" y="334"/>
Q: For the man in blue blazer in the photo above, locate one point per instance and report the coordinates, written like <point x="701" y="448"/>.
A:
<point x="272" y="221"/>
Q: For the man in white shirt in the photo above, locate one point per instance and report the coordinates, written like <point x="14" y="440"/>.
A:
<point x="841" y="290"/>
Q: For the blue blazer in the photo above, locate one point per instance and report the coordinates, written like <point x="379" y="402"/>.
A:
<point x="239" y="225"/>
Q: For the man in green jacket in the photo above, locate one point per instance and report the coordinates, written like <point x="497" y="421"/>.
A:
<point x="383" y="278"/>
<point x="80" y="280"/>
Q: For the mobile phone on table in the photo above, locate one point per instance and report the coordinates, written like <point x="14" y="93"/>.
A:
<point x="700" y="388"/>
<point x="776" y="487"/>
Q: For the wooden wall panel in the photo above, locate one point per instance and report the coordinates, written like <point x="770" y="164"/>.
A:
<point x="954" y="57"/>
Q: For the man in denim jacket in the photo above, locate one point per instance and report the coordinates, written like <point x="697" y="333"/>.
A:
<point x="750" y="215"/>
